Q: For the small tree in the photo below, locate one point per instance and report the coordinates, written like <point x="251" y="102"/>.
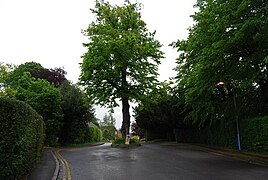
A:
<point x="107" y="126"/>
<point x="122" y="57"/>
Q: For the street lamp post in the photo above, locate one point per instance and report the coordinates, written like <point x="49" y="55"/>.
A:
<point x="221" y="84"/>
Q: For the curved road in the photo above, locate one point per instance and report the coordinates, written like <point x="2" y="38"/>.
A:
<point x="161" y="161"/>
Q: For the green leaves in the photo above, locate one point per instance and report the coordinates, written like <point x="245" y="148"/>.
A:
<point x="122" y="56"/>
<point x="223" y="45"/>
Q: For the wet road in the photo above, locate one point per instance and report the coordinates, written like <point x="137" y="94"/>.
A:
<point x="157" y="162"/>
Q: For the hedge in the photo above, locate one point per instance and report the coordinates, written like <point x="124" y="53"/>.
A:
<point x="88" y="134"/>
<point x="21" y="138"/>
<point x="95" y="134"/>
<point x="253" y="134"/>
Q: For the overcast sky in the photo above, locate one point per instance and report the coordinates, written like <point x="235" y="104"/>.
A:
<point x="49" y="32"/>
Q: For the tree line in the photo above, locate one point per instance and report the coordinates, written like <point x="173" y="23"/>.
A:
<point x="63" y="106"/>
<point x="227" y="44"/>
<point x="222" y="74"/>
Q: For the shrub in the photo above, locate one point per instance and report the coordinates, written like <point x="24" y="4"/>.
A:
<point x="21" y="138"/>
<point x="254" y="134"/>
<point x="95" y="134"/>
<point x="118" y="140"/>
<point x="135" y="140"/>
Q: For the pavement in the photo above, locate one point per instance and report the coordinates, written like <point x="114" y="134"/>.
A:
<point x="250" y="157"/>
<point x="47" y="168"/>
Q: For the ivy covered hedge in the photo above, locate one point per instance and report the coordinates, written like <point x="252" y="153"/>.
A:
<point x="253" y="133"/>
<point x="21" y="138"/>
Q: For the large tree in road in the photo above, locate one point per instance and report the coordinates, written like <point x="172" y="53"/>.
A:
<point x="122" y="57"/>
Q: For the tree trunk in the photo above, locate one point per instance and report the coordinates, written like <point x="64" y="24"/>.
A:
<point x="126" y="117"/>
<point x="125" y="104"/>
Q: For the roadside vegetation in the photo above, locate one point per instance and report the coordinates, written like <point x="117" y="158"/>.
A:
<point x="119" y="141"/>
<point x="39" y="107"/>
<point x="107" y="126"/>
<point x="221" y="86"/>
<point x="227" y="44"/>
<point x="21" y="138"/>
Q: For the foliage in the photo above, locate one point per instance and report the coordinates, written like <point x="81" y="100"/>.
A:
<point x="14" y="76"/>
<point x="160" y="114"/>
<point x="5" y="70"/>
<point x="95" y="134"/>
<point x="107" y="125"/>
<point x="135" y="140"/>
<point x="227" y="43"/>
<point x="21" y="138"/>
<point x="118" y="140"/>
<point x="121" y="59"/>
<point x="45" y="99"/>
<point x="89" y="134"/>
<point x="77" y="112"/>
<point x="219" y="134"/>
<point x="63" y="106"/>
<point x="55" y="76"/>
<point x="254" y="134"/>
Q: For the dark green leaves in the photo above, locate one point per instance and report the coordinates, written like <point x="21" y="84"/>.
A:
<point x="225" y="44"/>
<point x="122" y="56"/>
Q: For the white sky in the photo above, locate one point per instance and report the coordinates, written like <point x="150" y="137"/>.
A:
<point x="49" y="32"/>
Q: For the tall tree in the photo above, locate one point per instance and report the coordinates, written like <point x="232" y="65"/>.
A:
<point x="122" y="57"/>
<point x="77" y="112"/>
<point x="228" y="43"/>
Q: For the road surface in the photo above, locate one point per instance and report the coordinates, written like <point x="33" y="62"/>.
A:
<point x="162" y="161"/>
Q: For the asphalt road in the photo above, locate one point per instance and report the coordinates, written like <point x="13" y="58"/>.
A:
<point x="161" y="161"/>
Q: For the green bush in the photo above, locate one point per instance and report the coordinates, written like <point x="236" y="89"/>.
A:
<point x="118" y="140"/>
<point x="95" y="134"/>
<point x="135" y="140"/>
<point x="254" y="134"/>
<point x="21" y="138"/>
<point x="108" y="132"/>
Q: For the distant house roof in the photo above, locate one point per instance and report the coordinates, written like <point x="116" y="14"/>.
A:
<point x="90" y="124"/>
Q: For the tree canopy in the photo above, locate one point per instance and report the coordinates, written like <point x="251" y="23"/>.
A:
<point x="122" y="57"/>
<point x="228" y="43"/>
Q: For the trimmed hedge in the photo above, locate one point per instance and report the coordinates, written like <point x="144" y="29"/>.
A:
<point x="95" y="134"/>
<point x="21" y="138"/>
<point x="89" y="134"/>
<point x="253" y="134"/>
